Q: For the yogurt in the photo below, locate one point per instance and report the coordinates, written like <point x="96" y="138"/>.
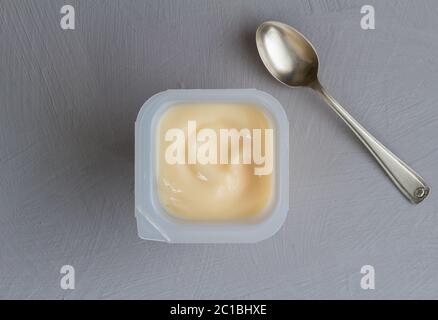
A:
<point x="211" y="166"/>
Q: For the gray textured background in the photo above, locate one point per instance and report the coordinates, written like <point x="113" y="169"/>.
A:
<point x="69" y="99"/>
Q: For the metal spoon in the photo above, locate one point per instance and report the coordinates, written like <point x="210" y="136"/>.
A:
<point x="293" y="61"/>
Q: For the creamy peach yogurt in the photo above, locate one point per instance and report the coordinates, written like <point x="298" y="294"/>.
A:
<point x="204" y="172"/>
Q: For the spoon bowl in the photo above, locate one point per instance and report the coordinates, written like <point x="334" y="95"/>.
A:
<point x="287" y="54"/>
<point x="293" y="61"/>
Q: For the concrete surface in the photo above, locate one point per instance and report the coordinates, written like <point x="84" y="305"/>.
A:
<point x="69" y="99"/>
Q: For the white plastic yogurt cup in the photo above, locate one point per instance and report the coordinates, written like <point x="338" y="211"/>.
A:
<point x="155" y="223"/>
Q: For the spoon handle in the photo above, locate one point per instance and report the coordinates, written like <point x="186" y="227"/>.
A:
<point x="406" y="179"/>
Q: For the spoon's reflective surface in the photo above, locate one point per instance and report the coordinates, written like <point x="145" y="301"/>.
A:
<point x="292" y="60"/>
